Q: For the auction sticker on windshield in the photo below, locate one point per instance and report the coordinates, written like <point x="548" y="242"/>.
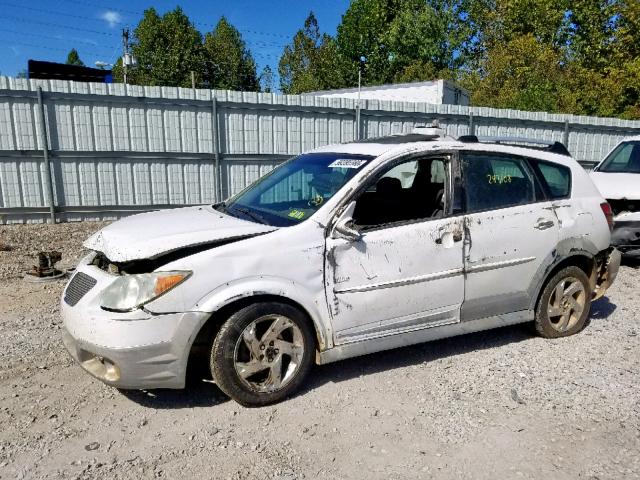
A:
<point x="347" y="163"/>
<point x="297" y="214"/>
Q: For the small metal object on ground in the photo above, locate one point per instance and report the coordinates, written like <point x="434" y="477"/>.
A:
<point x="46" y="270"/>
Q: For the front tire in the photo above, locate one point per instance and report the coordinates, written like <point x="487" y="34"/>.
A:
<point x="262" y="353"/>
<point x="564" y="305"/>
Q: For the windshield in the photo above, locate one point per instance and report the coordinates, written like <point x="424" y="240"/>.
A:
<point x="292" y="192"/>
<point x="624" y="159"/>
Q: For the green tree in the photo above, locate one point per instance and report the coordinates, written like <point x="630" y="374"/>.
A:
<point x="266" y="80"/>
<point x="310" y="62"/>
<point x="522" y="73"/>
<point x="426" y="40"/>
<point x="74" y="58"/>
<point x="404" y="40"/>
<point x="626" y="44"/>
<point x="167" y="49"/>
<point x="626" y="55"/>
<point x="500" y="21"/>
<point x="577" y="56"/>
<point x="594" y="92"/>
<point x="574" y="56"/>
<point x="228" y="63"/>
<point x="360" y="34"/>
<point x="589" y="32"/>
<point x="494" y="24"/>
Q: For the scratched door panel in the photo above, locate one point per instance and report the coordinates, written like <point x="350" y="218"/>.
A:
<point x="512" y="231"/>
<point x="507" y="249"/>
<point x="396" y="279"/>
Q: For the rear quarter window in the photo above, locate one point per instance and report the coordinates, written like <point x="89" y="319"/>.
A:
<point x="556" y="179"/>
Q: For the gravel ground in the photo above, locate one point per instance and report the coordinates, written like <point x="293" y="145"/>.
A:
<point x="497" y="404"/>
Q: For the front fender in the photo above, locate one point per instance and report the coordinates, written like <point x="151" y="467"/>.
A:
<point x="243" y="288"/>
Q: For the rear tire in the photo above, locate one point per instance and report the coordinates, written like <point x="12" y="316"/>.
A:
<point x="564" y="305"/>
<point x="262" y="353"/>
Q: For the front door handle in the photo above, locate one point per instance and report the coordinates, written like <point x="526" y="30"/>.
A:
<point x="544" y="224"/>
<point x="449" y="237"/>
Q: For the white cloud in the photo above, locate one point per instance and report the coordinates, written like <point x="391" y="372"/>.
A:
<point x="111" y="17"/>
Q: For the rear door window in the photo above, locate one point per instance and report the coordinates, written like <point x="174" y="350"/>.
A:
<point x="494" y="181"/>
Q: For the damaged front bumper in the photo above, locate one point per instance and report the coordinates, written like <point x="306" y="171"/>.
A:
<point x="155" y="365"/>
<point x="130" y="350"/>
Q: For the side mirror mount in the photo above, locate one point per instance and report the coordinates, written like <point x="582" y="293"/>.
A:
<point x="344" y="226"/>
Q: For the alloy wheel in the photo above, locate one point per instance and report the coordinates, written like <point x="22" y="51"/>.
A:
<point x="269" y="352"/>
<point x="566" y="304"/>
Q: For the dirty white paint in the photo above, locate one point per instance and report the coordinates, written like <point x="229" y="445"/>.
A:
<point x="617" y="185"/>
<point x="150" y="234"/>
<point x="399" y="278"/>
<point x="502" y="241"/>
<point x="390" y="286"/>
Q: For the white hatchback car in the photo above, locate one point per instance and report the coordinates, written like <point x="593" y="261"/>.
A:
<point x="617" y="177"/>
<point x="343" y="251"/>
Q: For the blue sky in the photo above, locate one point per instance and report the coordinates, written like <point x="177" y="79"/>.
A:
<point x="47" y="30"/>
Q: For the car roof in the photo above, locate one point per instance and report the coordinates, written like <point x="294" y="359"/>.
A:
<point x="377" y="148"/>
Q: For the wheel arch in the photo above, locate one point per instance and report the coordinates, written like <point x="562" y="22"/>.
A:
<point x="582" y="259"/>
<point x="230" y="298"/>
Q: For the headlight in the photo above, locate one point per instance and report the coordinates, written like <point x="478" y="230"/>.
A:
<point x="132" y="291"/>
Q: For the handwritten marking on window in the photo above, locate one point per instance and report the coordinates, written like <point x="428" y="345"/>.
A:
<point x="496" y="179"/>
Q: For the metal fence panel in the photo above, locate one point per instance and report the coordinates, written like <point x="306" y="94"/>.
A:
<point x="117" y="149"/>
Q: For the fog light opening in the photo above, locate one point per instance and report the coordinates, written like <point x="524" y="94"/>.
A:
<point x="101" y="367"/>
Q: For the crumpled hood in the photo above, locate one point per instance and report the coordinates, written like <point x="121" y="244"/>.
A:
<point x="617" y="185"/>
<point x="148" y="235"/>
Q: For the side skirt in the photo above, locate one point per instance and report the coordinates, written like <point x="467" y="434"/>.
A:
<point x="356" y="349"/>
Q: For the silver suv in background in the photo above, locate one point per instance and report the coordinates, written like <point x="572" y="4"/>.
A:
<point x="342" y="251"/>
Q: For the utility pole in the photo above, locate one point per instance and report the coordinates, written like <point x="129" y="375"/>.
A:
<point x="361" y="62"/>
<point x="359" y="83"/>
<point x="125" y="54"/>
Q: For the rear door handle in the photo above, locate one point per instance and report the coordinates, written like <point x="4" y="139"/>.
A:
<point x="544" y="224"/>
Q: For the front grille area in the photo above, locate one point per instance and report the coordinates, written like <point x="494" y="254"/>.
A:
<point x="78" y="287"/>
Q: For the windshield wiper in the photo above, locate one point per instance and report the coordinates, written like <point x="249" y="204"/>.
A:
<point x="249" y="213"/>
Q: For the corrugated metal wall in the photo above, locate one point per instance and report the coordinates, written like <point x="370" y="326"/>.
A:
<point x="115" y="149"/>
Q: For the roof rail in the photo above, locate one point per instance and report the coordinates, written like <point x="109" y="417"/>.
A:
<point x="534" y="143"/>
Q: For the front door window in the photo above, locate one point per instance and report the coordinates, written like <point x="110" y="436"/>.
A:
<point x="412" y="190"/>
